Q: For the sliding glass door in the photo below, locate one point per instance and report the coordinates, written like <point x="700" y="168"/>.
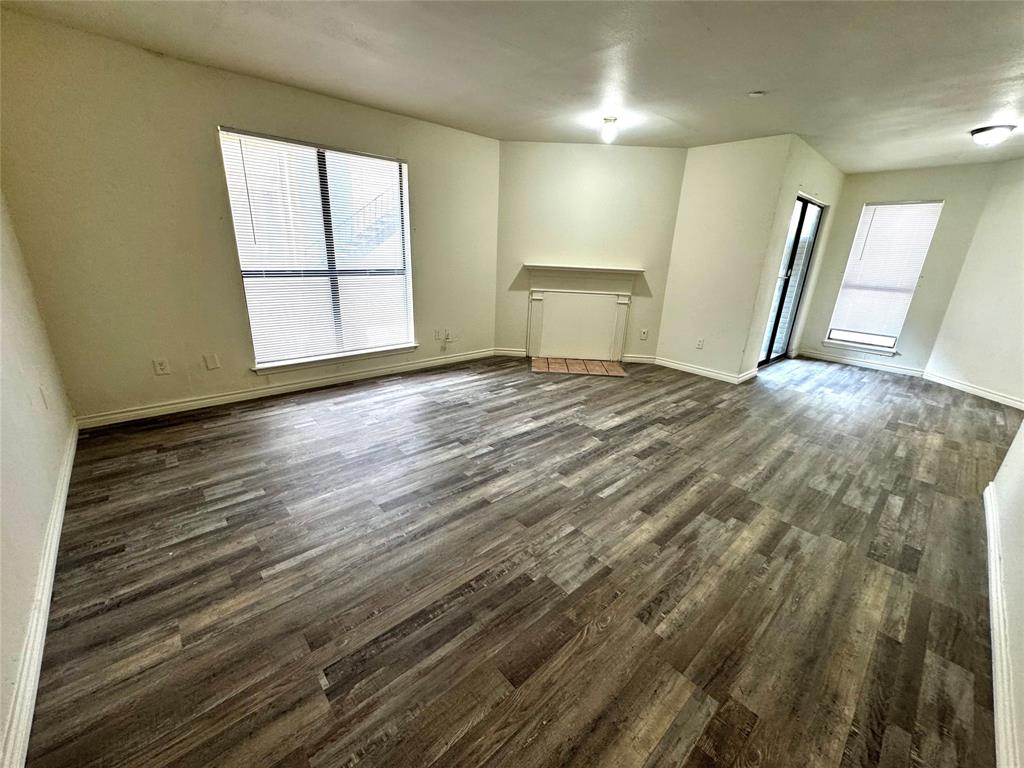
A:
<point x="803" y="230"/>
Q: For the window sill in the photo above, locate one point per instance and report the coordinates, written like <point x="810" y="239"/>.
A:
<point x="313" y="362"/>
<point x="860" y="348"/>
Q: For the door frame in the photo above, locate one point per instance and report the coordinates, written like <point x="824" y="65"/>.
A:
<point x="789" y="276"/>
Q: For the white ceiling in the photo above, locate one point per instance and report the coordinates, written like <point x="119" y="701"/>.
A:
<point x="871" y="85"/>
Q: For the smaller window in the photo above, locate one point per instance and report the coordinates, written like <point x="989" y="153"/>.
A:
<point x="882" y="273"/>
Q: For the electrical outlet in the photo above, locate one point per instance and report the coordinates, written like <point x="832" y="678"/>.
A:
<point x="643" y="334"/>
<point x="161" y="367"/>
<point x="212" y="362"/>
<point x="700" y="343"/>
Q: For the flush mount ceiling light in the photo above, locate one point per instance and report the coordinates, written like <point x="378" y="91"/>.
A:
<point x="990" y="135"/>
<point x="609" y="130"/>
<point x="756" y="94"/>
<point x="610" y="112"/>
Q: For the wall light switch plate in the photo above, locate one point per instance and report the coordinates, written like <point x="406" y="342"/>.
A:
<point x="161" y="367"/>
<point x="212" y="362"/>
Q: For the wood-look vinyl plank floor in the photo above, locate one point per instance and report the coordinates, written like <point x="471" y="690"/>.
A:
<point x="477" y="566"/>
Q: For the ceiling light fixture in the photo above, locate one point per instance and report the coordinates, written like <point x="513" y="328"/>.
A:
<point x="609" y="131"/>
<point x="990" y="135"/>
<point x="756" y="94"/>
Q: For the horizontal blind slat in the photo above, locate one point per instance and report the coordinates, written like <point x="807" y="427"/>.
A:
<point x="301" y="302"/>
<point x="885" y="263"/>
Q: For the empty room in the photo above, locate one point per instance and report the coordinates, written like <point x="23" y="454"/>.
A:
<point x="512" y="384"/>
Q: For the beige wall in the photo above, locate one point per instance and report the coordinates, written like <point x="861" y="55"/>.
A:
<point x="734" y="207"/>
<point x="586" y="204"/>
<point x="125" y="224"/>
<point x="123" y="213"/>
<point x="809" y="174"/>
<point x="964" y="188"/>
<point x="36" y="439"/>
<point x="981" y="339"/>
<point x="727" y="208"/>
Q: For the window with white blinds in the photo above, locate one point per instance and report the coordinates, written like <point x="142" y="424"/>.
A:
<point x="885" y="265"/>
<point x="323" y="244"/>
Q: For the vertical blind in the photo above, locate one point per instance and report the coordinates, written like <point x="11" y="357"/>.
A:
<point x="323" y="245"/>
<point x="881" y="275"/>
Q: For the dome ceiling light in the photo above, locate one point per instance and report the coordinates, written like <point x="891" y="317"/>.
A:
<point x="991" y="135"/>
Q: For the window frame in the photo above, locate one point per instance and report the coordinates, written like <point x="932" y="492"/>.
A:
<point x="331" y="272"/>
<point x="878" y="349"/>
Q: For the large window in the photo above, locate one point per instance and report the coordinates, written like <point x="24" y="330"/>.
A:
<point x="323" y="243"/>
<point x="885" y="265"/>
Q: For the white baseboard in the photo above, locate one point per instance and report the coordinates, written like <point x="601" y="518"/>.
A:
<point x="711" y="373"/>
<point x="23" y="698"/>
<point x="1008" y="747"/>
<point x="988" y="394"/>
<point x="204" y="401"/>
<point x="878" y="366"/>
<point x="746" y="375"/>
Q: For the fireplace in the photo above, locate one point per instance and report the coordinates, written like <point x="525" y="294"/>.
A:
<point x="578" y="311"/>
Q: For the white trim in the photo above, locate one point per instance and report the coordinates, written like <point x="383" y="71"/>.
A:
<point x="535" y="320"/>
<point x="537" y="294"/>
<point x="711" y="373"/>
<point x="973" y="389"/>
<point x="204" y="401"/>
<point x="307" y="362"/>
<point x="1008" y="747"/>
<point x="313" y="144"/>
<point x="571" y="268"/>
<point x="23" y="698"/>
<point x="882" y="352"/>
<point x="876" y="365"/>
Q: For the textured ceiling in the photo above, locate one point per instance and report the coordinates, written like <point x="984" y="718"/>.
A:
<point x="871" y="85"/>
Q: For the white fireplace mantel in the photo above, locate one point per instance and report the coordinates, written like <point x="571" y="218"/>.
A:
<point x="578" y="311"/>
<point x="585" y="268"/>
